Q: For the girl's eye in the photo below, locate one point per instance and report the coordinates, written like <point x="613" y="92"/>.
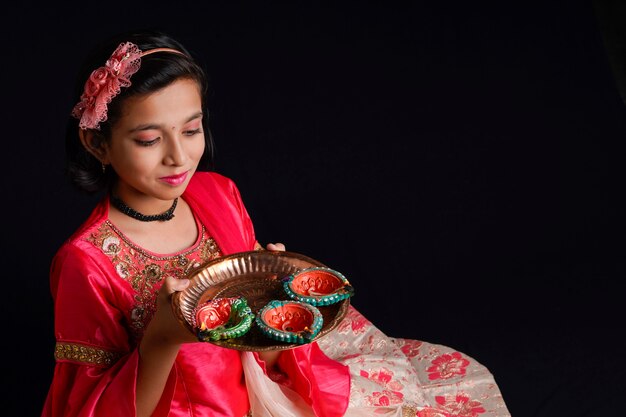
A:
<point x="192" y="132"/>
<point x="147" y="142"/>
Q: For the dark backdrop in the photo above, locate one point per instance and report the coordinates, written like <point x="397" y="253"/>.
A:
<point x="460" y="163"/>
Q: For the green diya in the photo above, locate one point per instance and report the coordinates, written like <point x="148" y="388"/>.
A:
<point x="222" y="318"/>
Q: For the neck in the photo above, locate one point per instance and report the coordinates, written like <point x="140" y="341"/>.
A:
<point x="126" y="209"/>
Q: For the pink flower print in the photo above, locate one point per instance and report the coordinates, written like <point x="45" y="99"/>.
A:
<point x="447" y="365"/>
<point x="385" y="398"/>
<point x="359" y="359"/>
<point x="460" y="405"/>
<point x="384" y="378"/>
<point x="432" y="412"/>
<point x="411" y="348"/>
<point x="351" y="356"/>
<point x="357" y="325"/>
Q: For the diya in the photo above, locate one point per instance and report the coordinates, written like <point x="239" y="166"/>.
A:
<point x="290" y="321"/>
<point x="318" y="286"/>
<point x="222" y="318"/>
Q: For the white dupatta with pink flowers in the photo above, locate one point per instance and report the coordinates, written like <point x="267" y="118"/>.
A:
<point x="389" y="378"/>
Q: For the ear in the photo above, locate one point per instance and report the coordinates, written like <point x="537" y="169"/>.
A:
<point x="94" y="144"/>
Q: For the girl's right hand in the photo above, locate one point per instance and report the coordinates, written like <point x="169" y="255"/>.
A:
<point x="164" y="326"/>
<point x="159" y="347"/>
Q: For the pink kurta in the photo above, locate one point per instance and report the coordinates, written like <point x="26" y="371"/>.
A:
<point x="104" y="289"/>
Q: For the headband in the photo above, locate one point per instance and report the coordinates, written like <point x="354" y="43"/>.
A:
<point x="106" y="82"/>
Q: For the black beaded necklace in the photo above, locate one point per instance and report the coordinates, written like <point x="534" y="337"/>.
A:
<point x="165" y="216"/>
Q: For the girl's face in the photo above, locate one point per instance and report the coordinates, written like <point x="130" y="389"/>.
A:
<point x="156" y="145"/>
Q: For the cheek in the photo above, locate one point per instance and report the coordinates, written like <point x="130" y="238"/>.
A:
<point x="197" y="148"/>
<point x="132" y="172"/>
<point x="131" y="162"/>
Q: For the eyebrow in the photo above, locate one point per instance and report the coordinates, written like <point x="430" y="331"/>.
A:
<point x="151" y="126"/>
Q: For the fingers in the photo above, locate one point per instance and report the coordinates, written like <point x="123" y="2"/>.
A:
<point x="269" y="357"/>
<point x="165" y="326"/>
<point x="172" y="285"/>
<point x="276" y="246"/>
<point x="178" y="284"/>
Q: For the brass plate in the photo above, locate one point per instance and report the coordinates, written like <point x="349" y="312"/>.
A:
<point x="256" y="276"/>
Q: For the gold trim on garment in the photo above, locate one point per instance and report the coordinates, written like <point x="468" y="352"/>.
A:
<point x="86" y="355"/>
<point x="203" y="240"/>
<point x="408" y="411"/>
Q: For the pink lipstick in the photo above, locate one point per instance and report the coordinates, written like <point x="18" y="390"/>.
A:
<point x="175" y="179"/>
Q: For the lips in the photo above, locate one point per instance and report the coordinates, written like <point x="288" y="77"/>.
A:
<point x="175" y="179"/>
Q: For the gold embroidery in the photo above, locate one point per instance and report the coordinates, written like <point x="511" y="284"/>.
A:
<point x="143" y="252"/>
<point x="85" y="354"/>
<point x="145" y="271"/>
<point x="408" y="411"/>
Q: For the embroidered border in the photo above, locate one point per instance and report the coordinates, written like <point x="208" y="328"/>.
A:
<point x="84" y="354"/>
<point x="202" y="240"/>
<point x="409" y="411"/>
<point x="145" y="271"/>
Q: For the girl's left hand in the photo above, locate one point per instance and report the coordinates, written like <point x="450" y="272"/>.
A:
<point x="276" y="246"/>
<point x="270" y="357"/>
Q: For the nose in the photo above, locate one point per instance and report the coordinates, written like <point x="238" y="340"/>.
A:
<point x="176" y="153"/>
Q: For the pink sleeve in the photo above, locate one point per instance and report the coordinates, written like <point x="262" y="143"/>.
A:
<point x="96" y="368"/>
<point x="216" y="201"/>
<point x="246" y="222"/>
<point x="322" y="382"/>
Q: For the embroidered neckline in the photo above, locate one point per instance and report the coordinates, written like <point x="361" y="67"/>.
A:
<point x="144" y="270"/>
<point x="161" y="257"/>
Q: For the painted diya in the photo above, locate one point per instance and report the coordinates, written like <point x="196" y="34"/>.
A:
<point x="290" y="321"/>
<point x="318" y="286"/>
<point x="222" y="318"/>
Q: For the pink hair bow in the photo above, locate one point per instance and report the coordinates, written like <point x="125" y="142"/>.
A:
<point x="105" y="83"/>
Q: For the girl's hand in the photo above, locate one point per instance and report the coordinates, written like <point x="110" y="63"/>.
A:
<point x="276" y="246"/>
<point x="164" y="326"/>
<point x="159" y="347"/>
<point x="270" y="357"/>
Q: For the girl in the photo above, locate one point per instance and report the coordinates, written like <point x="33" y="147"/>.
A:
<point x="139" y="132"/>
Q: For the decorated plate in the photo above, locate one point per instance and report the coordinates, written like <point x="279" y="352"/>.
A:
<point x="257" y="276"/>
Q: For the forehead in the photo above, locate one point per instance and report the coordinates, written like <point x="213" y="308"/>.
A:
<point x="171" y="104"/>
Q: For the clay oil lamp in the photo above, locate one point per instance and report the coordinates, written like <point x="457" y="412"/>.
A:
<point x="290" y="321"/>
<point x="317" y="286"/>
<point x="222" y="318"/>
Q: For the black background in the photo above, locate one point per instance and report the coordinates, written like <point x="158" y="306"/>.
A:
<point x="461" y="163"/>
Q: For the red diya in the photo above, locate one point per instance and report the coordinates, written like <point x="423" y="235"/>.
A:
<point x="222" y="318"/>
<point x="318" y="286"/>
<point x="290" y="321"/>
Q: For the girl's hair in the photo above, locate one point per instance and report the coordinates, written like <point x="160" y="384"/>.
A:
<point x="157" y="71"/>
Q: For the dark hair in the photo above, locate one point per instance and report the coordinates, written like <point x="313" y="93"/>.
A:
<point x="157" y="71"/>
